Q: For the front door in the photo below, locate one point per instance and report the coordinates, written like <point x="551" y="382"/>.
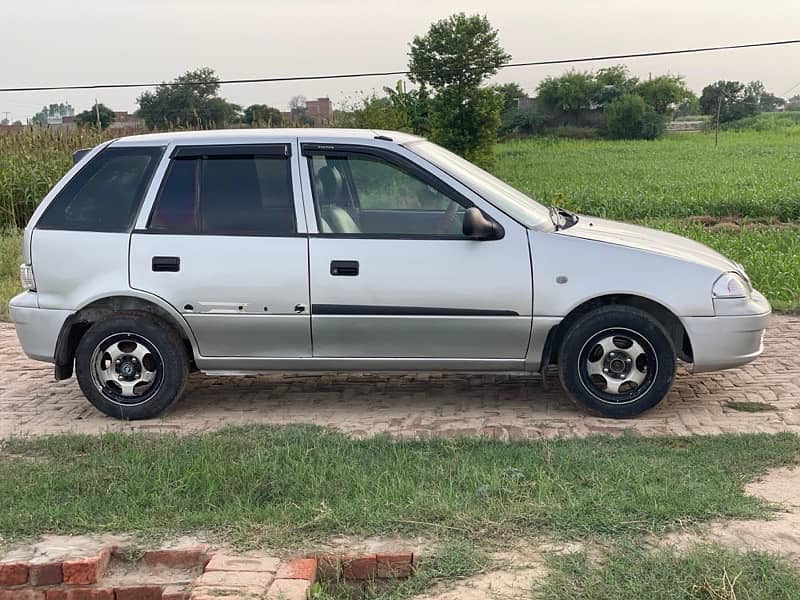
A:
<point x="392" y="276"/>
<point x="222" y="246"/>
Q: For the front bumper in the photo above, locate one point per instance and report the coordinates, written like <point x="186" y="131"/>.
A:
<point x="729" y="340"/>
<point x="37" y="328"/>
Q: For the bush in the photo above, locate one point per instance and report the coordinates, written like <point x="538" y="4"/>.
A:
<point x="629" y="118"/>
<point x="525" y="121"/>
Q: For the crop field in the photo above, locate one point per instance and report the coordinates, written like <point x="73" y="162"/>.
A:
<point x="741" y="198"/>
<point x="751" y="174"/>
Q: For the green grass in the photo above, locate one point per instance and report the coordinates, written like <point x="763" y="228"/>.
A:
<point x="275" y="485"/>
<point x="750" y="174"/>
<point x="10" y="259"/>
<point x="453" y="561"/>
<point x="705" y="572"/>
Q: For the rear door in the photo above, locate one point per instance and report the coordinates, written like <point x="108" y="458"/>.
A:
<point x="223" y="246"/>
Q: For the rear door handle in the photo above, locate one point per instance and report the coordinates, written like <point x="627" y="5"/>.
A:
<point x="166" y="264"/>
<point x="346" y="268"/>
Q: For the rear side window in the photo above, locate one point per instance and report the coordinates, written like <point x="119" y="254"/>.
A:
<point x="105" y="195"/>
<point x="229" y="194"/>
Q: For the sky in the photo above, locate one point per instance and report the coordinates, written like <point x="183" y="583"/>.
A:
<point x="48" y="42"/>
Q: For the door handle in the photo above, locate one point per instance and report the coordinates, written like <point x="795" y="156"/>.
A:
<point x="166" y="264"/>
<point x="344" y="268"/>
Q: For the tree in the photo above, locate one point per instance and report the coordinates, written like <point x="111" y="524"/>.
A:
<point x="663" y="93"/>
<point x="730" y="100"/>
<point x="569" y="94"/>
<point x="52" y="110"/>
<point x="261" y="115"/>
<point x="793" y="103"/>
<point x="511" y="93"/>
<point x="191" y="100"/>
<point x="454" y="58"/>
<point x="467" y="125"/>
<point x="688" y="106"/>
<point x="458" y="51"/>
<point x="613" y="83"/>
<point x="770" y="102"/>
<point x="88" y="118"/>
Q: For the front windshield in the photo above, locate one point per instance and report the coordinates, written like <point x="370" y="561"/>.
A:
<point x="514" y="203"/>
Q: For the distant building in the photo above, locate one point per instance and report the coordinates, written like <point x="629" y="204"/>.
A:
<point x="321" y="110"/>
<point x="126" y="120"/>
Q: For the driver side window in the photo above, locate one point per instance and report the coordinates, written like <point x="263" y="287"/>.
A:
<point x="362" y="194"/>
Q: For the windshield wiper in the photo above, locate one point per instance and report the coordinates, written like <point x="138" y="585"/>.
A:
<point x="556" y="213"/>
<point x="555" y="216"/>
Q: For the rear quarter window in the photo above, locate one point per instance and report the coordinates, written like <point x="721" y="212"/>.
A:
<point x="106" y="194"/>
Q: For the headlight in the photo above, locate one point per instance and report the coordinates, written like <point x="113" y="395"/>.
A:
<point x="26" y="278"/>
<point x="731" y="285"/>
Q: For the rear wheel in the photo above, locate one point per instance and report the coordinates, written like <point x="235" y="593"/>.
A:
<point x="618" y="361"/>
<point x="131" y="366"/>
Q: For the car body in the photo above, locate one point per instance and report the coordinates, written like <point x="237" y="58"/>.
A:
<point x="263" y="250"/>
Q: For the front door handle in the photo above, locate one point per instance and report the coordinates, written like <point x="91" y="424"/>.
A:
<point x="344" y="268"/>
<point x="166" y="264"/>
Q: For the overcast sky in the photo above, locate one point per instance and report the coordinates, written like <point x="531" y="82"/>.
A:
<point x="48" y="42"/>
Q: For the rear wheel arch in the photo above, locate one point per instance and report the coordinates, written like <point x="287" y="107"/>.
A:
<point x="79" y="322"/>
<point x="668" y="319"/>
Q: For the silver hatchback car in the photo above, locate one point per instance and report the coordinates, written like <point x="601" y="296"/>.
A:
<point x="235" y="252"/>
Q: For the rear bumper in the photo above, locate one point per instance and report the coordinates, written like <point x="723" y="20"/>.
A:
<point x="728" y="341"/>
<point x="37" y="328"/>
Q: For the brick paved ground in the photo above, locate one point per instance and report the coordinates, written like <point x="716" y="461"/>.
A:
<point x="515" y="406"/>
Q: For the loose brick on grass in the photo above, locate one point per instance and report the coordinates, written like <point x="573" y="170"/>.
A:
<point x="299" y="568"/>
<point x="45" y="574"/>
<point x="85" y="571"/>
<point x="141" y="592"/>
<point x="360" y="567"/>
<point x="223" y="562"/>
<point x="13" y="573"/>
<point x="22" y="595"/>
<point x="181" y="558"/>
<point x="81" y="594"/>
<point x="396" y="564"/>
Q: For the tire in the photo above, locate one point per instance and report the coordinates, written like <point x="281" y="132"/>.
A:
<point x="617" y="361"/>
<point x="131" y="366"/>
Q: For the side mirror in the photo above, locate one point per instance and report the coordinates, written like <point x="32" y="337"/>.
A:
<point x="478" y="226"/>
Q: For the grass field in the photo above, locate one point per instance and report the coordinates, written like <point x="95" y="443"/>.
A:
<point x="702" y="573"/>
<point x="750" y="174"/>
<point x="285" y="485"/>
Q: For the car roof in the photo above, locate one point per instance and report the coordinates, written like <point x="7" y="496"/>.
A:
<point x="256" y="136"/>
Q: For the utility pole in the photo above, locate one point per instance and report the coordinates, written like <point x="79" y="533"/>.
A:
<point x="719" y="112"/>
<point x="97" y="114"/>
<point x="5" y="115"/>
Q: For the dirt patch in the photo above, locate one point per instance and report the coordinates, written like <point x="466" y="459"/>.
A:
<point x="733" y="223"/>
<point x="780" y="535"/>
<point x="511" y="574"/>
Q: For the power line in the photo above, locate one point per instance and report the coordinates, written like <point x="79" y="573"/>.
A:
<point x="392" y="73"/>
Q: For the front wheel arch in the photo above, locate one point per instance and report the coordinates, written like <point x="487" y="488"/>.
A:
<point x="668" y="319"/>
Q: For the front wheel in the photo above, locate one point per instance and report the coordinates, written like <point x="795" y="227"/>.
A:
<point x="618" y="361"/>
<point x="131" y="366"/>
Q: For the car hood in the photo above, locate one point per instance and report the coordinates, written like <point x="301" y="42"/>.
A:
<point x="650" y="240"/>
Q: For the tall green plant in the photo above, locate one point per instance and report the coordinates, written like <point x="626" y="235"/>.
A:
<point x="454" y="58"/>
